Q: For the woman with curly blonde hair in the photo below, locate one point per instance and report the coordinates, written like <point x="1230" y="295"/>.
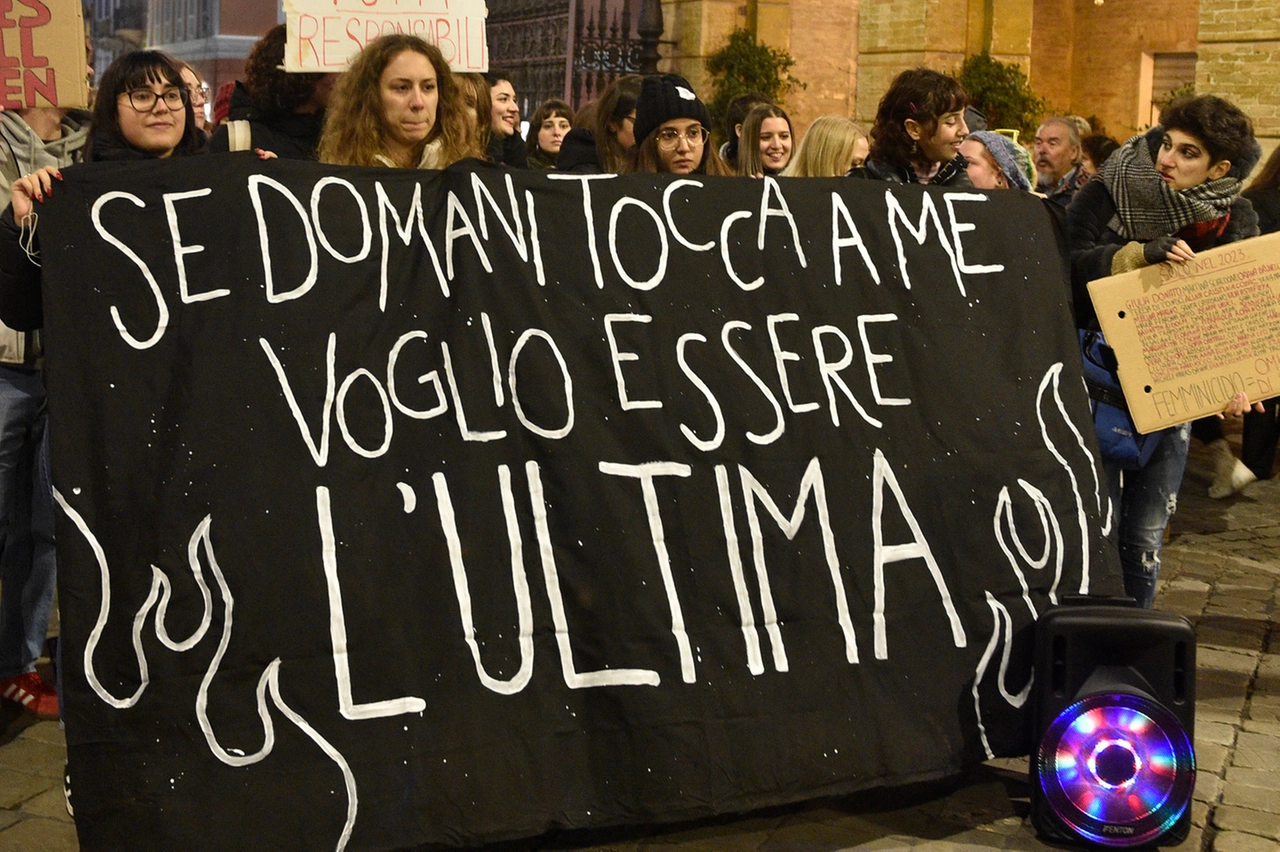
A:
<point x="398" y="105"/>
<point x="832" y="146"/>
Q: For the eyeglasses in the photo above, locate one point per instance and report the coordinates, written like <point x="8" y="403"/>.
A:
<point x="200" y="92"/>
<point x="669" y="137"/>
<point x="144" y="100"/>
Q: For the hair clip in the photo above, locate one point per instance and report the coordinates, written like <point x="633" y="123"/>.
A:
<point x="912" y="104"/>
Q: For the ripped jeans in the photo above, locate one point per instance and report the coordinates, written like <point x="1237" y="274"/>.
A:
<point x="1144" y="501"/>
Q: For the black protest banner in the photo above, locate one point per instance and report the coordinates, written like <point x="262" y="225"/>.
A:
<point x="403" y="507"/>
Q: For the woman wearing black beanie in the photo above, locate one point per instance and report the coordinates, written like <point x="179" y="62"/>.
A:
<point x="671" y="130"/>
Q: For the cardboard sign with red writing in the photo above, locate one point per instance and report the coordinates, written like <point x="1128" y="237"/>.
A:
<point x="42" y="54"/>
<point x="323" y="35"/>
<point x="1188" y="337"/>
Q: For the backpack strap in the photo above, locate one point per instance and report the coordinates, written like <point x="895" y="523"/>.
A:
<point x="239" y="135"/>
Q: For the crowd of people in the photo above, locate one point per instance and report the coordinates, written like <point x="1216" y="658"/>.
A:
<point x="1160" y="197"/>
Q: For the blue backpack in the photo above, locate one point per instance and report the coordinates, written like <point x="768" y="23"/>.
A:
<point x="1118" y="438"/>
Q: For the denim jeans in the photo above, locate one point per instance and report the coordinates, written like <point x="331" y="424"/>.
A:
<point x="1144" y="500"/>
<point x="27" y="561"/>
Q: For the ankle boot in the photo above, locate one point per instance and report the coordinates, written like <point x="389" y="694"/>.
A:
<point x="1229" y="473"/>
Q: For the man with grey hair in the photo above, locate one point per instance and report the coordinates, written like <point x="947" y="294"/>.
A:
<point x="1057" y="153"/>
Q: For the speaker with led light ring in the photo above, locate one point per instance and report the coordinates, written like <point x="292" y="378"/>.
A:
<point x="1112" y="759"/>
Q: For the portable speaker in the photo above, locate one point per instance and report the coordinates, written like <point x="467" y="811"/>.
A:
<point x="1112" y="760"/>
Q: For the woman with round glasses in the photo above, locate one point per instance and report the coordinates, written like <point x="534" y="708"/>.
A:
<point x="143" y="111"/>
<point x="671" y="130"/>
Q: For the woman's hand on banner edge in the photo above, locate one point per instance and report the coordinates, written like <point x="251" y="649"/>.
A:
<point x="36" y="186"/>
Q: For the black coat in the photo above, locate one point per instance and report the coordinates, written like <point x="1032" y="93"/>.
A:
<point x="294" y="136"/>
<point x="509" y="151"/>
<point x="578" y="153"/>
<point x="954" y="173"/>
<point x="1266" y="203"/>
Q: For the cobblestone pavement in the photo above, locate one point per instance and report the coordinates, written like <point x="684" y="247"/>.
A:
<point x="1221" y="570"/>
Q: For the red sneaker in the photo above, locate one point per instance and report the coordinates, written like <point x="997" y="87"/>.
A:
<point x="30" y="691"/>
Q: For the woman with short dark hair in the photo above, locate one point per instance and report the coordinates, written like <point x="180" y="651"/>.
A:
<point x="1161" y="197"/>
<point x="551" y="122"/>
<point x="1094" y="151"/>
<point x="505" y="144"/>
<point x="143" y="111"/>
<point x="918" y="130"/>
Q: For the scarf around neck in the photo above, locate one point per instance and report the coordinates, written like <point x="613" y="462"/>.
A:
<point x="1147" y="208"/>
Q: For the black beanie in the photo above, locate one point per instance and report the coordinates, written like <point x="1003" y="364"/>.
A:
<point x="663" y="98"/>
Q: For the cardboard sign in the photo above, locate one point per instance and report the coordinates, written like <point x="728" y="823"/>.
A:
<point x="323" y="35"/>
<point x="42" y="55"/>
<point x="1189" y="337"/>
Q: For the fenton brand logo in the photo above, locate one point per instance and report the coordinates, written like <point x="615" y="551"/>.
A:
<point x="1117" y="829"/>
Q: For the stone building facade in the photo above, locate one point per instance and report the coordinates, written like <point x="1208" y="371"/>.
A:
<point x="1113" y="60"/>
<point x="1239" y="57"/>
<point x="1110" y="59"/>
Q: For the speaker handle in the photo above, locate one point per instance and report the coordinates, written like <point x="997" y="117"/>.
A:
<point x="1097" y="600"/>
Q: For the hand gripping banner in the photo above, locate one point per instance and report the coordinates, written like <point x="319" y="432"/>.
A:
<point x="403" y="507"/>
